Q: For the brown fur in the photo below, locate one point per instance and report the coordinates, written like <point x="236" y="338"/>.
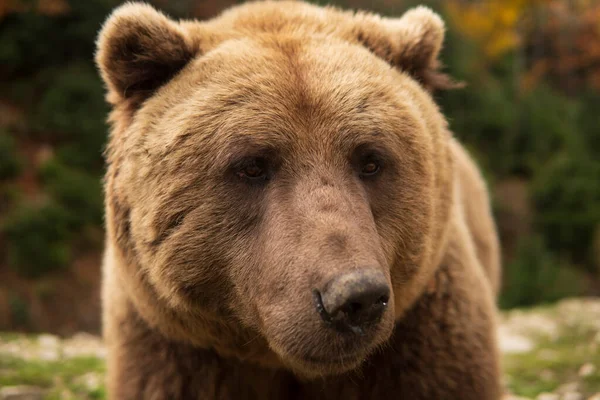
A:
<point x="209" y="277"/>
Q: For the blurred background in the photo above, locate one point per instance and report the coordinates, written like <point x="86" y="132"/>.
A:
<point x="530" y="115"/>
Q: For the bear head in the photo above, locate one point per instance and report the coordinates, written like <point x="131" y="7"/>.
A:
<point x="279" y="179"/>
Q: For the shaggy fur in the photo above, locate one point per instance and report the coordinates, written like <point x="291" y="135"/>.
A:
<point x="209" y="275"/>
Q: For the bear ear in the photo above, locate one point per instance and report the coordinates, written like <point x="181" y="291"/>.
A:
<point x="138" y="50"/>
<point x="412" y="43"/>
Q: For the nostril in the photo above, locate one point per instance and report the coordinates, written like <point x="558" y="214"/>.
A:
<point x="383" y="300"/>
<point x="318" y="299"/>
<point x="365" y="305"/>
<point x="354" y="308"/>
<point x="353" y="301"/>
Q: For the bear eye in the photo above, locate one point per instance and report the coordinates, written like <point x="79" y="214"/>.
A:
<point x="370" y="168"/>
<point x="254" y="169"/>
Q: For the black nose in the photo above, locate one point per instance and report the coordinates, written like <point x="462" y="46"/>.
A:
<point x="353" y="301"/>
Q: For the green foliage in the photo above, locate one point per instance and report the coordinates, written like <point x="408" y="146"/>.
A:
<point x="48" y="69"/>
<point x="566" y="195"/>
<point x="73" y="108"/>
<point x="518" y="133"/>
<point x="48" y="72"/>
<point x="37" y="239"/>
<point x="77" y="191"/>
<point x="547" y="123"/>
<point x="20" y="44"/>
<point x="544" y="136"/>
<point x="10" y="165"/>
<point x="537" y="276"/>
<point x="589" y="122"/>
<point x="38" y="236"/>
<point x="19" y="310"/>
<point x="29" y="40"/>
<point x="9" y="195"/>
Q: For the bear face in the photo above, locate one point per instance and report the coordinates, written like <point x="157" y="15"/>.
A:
<point x="279" y="179"/>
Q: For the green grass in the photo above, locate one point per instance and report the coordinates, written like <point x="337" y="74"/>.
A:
<point x="553" y="363"/>
<point x="58" y="377"/>
<point x="12" y="336"/>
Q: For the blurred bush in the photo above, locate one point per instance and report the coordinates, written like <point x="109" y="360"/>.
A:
<point x="75" y="190"/>
<point x="72" y="109"/>
<point x="19" y="311"/>
<point x="10" y="164"/>
<point x="520" y="120"/>
<point x="37" y="239"/>
<point x="566" y="194"/>
<point x="51" y="196"/>
<point x="535" y="275"/>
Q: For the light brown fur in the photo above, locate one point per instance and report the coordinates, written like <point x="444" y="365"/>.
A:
<point x="209" y="277"/>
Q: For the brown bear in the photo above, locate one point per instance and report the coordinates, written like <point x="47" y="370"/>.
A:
<point x="288" y="215"/>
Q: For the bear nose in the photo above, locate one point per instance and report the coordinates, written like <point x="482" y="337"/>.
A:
<point x="353" y="301"/>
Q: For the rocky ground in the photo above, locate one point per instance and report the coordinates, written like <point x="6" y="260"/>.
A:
<point x="550" y="353"/>
<point x="553" y="353"/>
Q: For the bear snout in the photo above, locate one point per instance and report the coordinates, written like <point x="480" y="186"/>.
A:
<point x="353" y="301"/>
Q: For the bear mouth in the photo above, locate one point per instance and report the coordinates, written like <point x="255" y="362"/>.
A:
<point x="312" y="367"/>
<point x="336" y="360"/>
<point x="346" y="359"/>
